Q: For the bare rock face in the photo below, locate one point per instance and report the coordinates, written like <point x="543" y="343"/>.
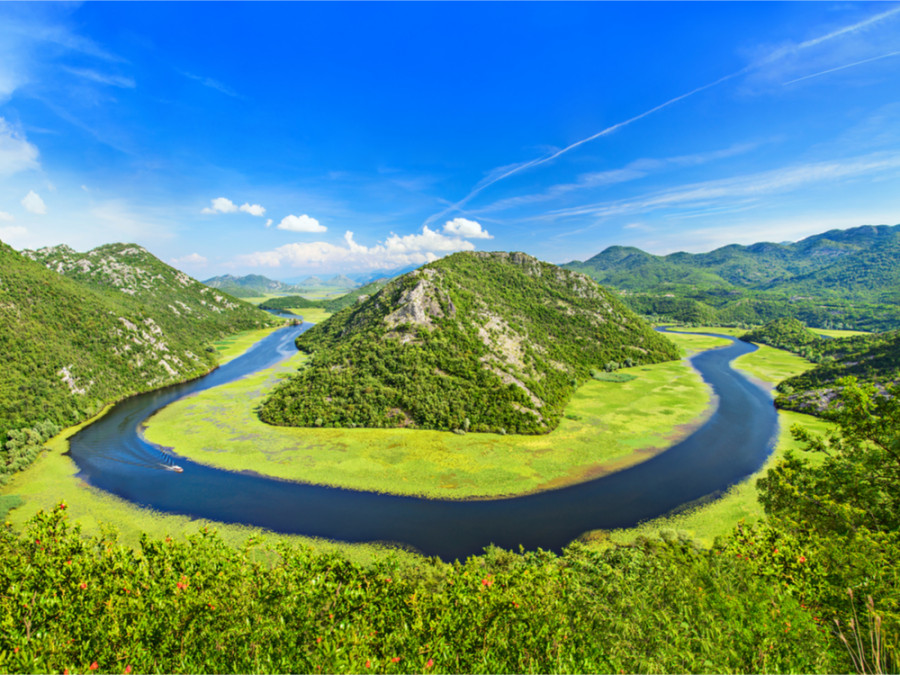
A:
<point x="421" y="303"/>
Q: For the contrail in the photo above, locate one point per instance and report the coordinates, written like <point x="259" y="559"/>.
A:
<point x="752" y="66"/>
<point x="849" y="65"/>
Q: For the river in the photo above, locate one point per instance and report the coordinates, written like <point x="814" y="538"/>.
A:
<point x="733" y="443"/>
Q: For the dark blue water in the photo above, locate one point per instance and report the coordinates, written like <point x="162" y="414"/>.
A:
<point x="732" y="444"/>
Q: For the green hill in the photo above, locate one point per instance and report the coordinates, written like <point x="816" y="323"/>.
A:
<point x="871" y="359"/>
<point x="98" y="326"/>
<point x="840" y="278"/>
<point x="787" y="334"/>
<point x="333" y="305"/>
<point x="474" y="341"/>
<point x="251" y="285"/>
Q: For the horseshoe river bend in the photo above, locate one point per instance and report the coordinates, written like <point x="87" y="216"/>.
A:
<point x="732" y="444"/>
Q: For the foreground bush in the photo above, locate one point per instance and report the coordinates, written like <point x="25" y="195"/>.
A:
<point x="76" y="604"/>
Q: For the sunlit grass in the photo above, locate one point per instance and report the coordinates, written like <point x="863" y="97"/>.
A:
<point x="606" y="428"/>
<point x="717" y="517"/>
<point x="312" y="314"/>
<point x="235" y="345"/>
<point x="838" y="333"/>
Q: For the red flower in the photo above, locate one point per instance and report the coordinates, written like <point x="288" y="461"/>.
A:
<point x="775" y="550"/>
<point x="318" y="640"/>
<point x="127" y="670"/>
<point x="368" y="663"/>
<point x="94" y="666"/>
<point x="65" y="671"/>
<point x="82" y="585"/>
<point x="68" y="562"/>
<point x="396" y="659"/>
<point x="429" y="663"/>
<point x="801" y="559"/>
<point x="487" y="581"/>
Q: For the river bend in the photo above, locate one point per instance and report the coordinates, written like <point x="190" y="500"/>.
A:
<point x="733" y="443"/>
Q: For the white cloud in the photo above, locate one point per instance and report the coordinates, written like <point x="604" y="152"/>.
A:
<point x="192" y="259"/>
<point x="269" y="222"/>
<point x="225" y="205"/>
<point x="16" y="153"/>
<point x="302" y="223"/>
<point x="747" y="187"/>
<point x="102" y="78"/>
<point x="8" y="217"/>
<point x="395" y="251"/>
<point x="253" y="209"/>
<point x="212" y="84"/>
<point x="463" y="227"/>
<point x="12" y="233"/>
<point x="221" y="205"/>
<point x="34" y="204"/>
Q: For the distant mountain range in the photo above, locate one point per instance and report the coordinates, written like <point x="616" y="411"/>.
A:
<point x="817" y="276"/>
<point x="474" y="341"/>
<point x="253" y="285"/>
<point x="79" y="330"/>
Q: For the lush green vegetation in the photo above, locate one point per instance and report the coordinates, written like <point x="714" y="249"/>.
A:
<point x="801" y="592"/>
<point x="253" y="285"/>
<point x="605" y="428"/>
<point x="472" y="342"/>
<point x="873" y="358"/>
<point x="790" y="335"/>
<point x="330" y="305"/>
<point x="200" y="606"/>
<point x="95" y="328"/>
<point x="838" y="279"/>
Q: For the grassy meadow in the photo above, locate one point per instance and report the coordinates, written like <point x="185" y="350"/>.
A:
<point x="606" y="428"/>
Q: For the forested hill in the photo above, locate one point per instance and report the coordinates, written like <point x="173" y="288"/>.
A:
<point x="78" y="330"/>
<point x="255" y="284"/>
<point x="838" y="279"/>
<point x="472" y="342"/>
<point x="871" y="359"/>
<point x="288" y="302"/>
<point x="250" y="285"/>
<point x="858" y="262"/>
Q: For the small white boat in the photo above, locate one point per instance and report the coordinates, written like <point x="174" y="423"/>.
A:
<point x="173" y="467"/>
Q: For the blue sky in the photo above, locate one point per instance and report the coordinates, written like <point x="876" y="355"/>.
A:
<point x="294" y="138"/>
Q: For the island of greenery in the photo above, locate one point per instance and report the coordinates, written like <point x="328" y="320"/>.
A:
<point x="472" y="342"/>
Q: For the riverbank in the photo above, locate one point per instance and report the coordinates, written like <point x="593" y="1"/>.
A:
<point x="53" y="478"/>
<point x="606" y="428"/>
<point x="717" y="516"/>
